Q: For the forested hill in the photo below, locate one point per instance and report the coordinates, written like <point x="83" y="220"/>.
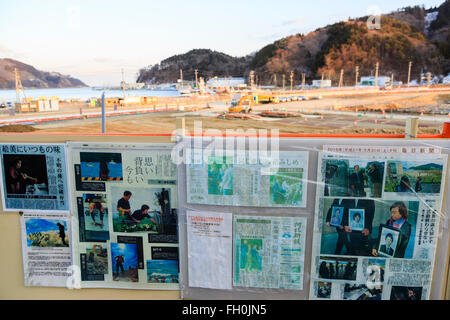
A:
<point x="409" y="34"/>
<point x="33" y="78"/>
<point x="208" y="63"/>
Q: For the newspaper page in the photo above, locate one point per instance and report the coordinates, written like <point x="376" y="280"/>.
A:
<point x="46" y="249"/>
<point x="125" y="215"/>
<point x="378" y="211"/>
<point x="269" y="252"/>
<point x="239" y="181"/>
<point x="33" y="177"/>
<point x="210" y="249"/>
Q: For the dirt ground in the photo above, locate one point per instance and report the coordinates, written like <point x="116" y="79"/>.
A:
<point x="315" y="116"/>
<point x="158" y="123"/>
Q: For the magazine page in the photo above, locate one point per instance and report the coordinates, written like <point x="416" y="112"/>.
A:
<point x="273" y="181"/>
<point x="33" y="177"/>
<point x="46" y="249"/>
<point x="125" y="215"/>
<point x="269" y="252"/>
<point x="378" y="211"/>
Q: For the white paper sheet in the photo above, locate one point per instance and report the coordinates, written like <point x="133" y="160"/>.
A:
<point x="209" y="249"/>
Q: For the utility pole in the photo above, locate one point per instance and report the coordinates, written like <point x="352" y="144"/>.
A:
<point x="196" y="80"/>
<point x="291" y="78"/>
<point x="356" y="75"/>
<point x="409" y="72"/>
<point x="341" y="78"/>
<point x="429" y="78"/>
<point x="284" y="80"/>
<point x="303" y="80"/>
<point x="252" y="77"/>
<point x="19" y="87"/>
<point x="103" y="113"/>
<point x="275" y="80"/>
<point x="392" y="80"/>
<point x="181" y="78"/>
<point x="376" y="74"/>
<point x="202" y="85"/>
<point x="123" y="85"/>
<point x="323" y="77"/>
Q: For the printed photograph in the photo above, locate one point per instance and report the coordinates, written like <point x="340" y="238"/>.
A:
<point x="162" y="271"/>
<point x="251" y="255"/>
<point x="143" y="210"/>
<point x="124" y="262"/>
<point x="101" y="166"/>
<point x="286" y="187"/>
<point x="346" y="240"/>
<point x="95" y="212"/>
<point x="25" y="174"/>
<point x="336" y="177"/>
<point x="323" y="289"/>
<point x="336" y="216"/>
<point x="388" y="241"/>
<point x="406" y="293"/>
<point x="220" y="176"/>
<point x="353" y="178"/>
<point x="46" y="233"/>
<point x="413" y="176"/>
<point x="356" y="219"/>
<point x="374" y="270"/>
<point x="337" y="268"/>
<point x="89" y="224"/>
<point x="138" y="241"/>
<point x="97" y="259"/>
<point x="361" y="292"/>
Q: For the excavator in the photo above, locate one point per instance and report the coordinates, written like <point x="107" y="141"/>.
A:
<point x="243" y="104"/>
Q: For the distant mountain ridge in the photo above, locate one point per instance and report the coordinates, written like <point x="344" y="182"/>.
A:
<point x="33" y="78"/>
<point x="409" y="34"/>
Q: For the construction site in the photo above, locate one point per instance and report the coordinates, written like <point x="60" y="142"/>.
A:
<point x="314" y="112"/>
<point x="378" y="107"/>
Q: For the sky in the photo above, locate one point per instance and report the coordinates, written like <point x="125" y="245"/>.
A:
<point x="93" y="40"/>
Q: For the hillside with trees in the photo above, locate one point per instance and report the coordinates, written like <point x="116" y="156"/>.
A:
<point x="208" y="63"/>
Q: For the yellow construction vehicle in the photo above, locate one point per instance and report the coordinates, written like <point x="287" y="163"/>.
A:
<point x="243" y="104"/>
<point x="267" y="99"/>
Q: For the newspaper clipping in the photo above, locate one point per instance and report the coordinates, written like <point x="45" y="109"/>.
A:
<point x="269" y="252"/>
<point x="378" y="211"/>
<point x="210" y="249"/>
<point x="230" y="180"/>
<point x="46" y="249"/>
<point x="33" y="177"/>
<point x="125" y="226"/>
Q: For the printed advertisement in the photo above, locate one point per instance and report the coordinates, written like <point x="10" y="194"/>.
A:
<point x="233" y="181"/>
<point x="376" y="223"/>
<point x="125" y="226"/>
<point x="210" y="249"/>
<point x="33" y="177"/>
<point x="46" y="249"/>
<point x="269" y="252"/>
